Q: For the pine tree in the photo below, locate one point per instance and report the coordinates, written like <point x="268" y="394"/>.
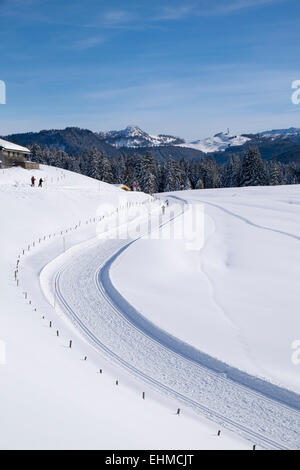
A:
<point x="252" y="170"/>
<point x="274" y="175"/>
<point x="106" y="173"/>
<point x="146" y="174"/>
<point x="94" y="168"/>
<point x="199" y="184"/>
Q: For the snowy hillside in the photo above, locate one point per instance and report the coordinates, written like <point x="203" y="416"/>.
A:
<point x="290" y="133"/>
<point x="236" y="299"/>
<point x="134" y="137"/>
<point x="51" y="397"/>
<point x="218" y="143"/>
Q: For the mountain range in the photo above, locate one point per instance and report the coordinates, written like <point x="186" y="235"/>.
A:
<point x="284" y="143"/>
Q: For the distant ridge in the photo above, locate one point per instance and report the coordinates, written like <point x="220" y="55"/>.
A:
<point x="284" y="143"/>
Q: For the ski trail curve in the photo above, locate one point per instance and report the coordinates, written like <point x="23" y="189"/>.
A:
<point x="258" y="410"/>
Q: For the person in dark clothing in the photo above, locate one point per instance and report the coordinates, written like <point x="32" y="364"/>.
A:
<point x="32" y="181"/>
<point x="41" y="183"/>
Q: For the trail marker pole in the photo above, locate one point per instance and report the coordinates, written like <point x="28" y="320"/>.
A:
<point x="55" y="289"/>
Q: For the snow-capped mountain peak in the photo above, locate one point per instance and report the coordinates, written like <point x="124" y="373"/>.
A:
<point x="218" y="143"/>
<point x="133" y="136"/>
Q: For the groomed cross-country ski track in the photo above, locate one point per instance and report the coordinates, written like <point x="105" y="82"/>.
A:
<point x="263" y="413"/>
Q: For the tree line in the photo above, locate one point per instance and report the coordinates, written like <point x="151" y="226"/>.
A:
<point x="153" y="176"/>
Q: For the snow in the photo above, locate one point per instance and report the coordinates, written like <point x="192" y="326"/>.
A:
<point x="11" y="146"/>
<point x="50" y="397"/>
<point x="219" y="143"/>
<point x="133" y="136"/>
<point x="285" y="133"/>
<point x="114" y="324"/>
<point x="237" y="298"/>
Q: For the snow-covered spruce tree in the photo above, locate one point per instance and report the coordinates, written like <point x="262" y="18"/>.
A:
<point x="231" y="172"/>
<point x="184" y="175"/>
<point x="193" y="172"/>
<point x="159" y="177"/>
<point x="94" y="165"/>
<point x="228" y="176"/>
<point x="36" y="153"/>
<point x="172" y="176"/>
<point x="84" y="163"/>
<point x="290" y="174"/>
<point x="274" y="172"/>
<point x="199" y="184"/>
<point x="211" y="173"/>
<point x="119" y="170"/>
<point x="106" y="173"/>
<point x="252" y="170"/>
<point x="146" y="174"/>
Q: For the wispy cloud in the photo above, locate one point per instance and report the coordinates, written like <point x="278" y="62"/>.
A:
<point x="88" y="43"/>
<point x="211" y="8"/>
<point x="118" y="16"/>
<point x="175" y="13"/>
<point x="237" y="5"/>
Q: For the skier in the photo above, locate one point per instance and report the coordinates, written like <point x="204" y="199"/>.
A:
<point x="41" y="183"/>
<point x="167" y="203"/>
<point x="163" y="210"/>
<point x="32" y="181"/>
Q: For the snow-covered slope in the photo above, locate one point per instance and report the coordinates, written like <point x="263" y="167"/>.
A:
<point x="50" y="397"/>
<point x="237" y="298"/>
<point x="160" y="271"/>
<point x="135" y="137"/>
<point x="290" y="133"/>
<point x="217" y="143"/>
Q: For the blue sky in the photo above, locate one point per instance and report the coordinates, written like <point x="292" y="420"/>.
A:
<point x="190" y="68"/>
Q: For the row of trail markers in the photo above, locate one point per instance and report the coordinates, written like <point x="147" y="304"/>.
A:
<point x="25" y="293"/>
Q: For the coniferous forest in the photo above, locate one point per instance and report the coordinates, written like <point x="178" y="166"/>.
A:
<point x="153" y="176"/>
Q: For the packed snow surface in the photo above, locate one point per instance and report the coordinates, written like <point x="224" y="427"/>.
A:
<point x="126" y="320"/>
<point x="237" y="298"/>
<point x="207" y="329"/>
<point x="51" y="398"/>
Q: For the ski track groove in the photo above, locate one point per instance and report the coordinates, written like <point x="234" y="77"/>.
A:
<point x="164" y="362"/>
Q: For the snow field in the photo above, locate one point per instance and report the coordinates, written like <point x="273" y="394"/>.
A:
<point x="51" y="397"/>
